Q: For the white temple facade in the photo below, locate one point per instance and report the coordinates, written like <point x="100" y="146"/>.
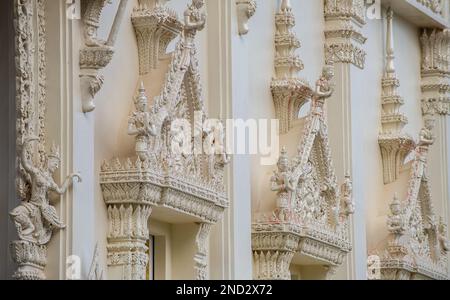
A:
<point x="225" y="139"/>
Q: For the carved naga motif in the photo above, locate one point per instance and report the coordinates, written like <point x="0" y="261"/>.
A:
<point x="313" y="212"/>
<point x="180" y="159"/>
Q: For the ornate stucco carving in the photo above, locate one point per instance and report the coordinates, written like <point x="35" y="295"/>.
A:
<point x="394" y="144"/>
<point x="201" y="257"/>
<point x="312" y="212"/>
<point x="436" y="6"/>
<point x="169" y="171"/>
<point x="35" y="219"/>
<point x="344" y="20"/>
<point x="289" y="92"/>
<point x="435" y="71"/>
<point x="96" y="54"/>
<point x="155" y="28"/>
<point x="245" y="10"/>
<point x="128" y="236"/>
<point x="417" y="244"/>
<point x="95" y="271"/>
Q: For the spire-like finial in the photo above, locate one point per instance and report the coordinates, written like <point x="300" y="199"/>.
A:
<point x="390" y="66"/>
<point x="142" y="97"/>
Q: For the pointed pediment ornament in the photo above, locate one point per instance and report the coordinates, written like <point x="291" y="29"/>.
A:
<point x="313" y="211"/>
<point x="417" y="244"/>
<point x="180" y="158"/>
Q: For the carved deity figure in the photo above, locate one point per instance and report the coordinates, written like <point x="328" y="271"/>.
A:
<point x="140" y="125"/>
<point x="324" y="86"/>
<point x="443" y="236"/>
<point x="194" y="20"/>
<point x="426" y="134"/>
<point x="180" y="147"/>
<point x="35" y="218"/>
<point x="396" y="221"/>
<point x="347" y="196"/>
<point x="281" y="181"/>
<point x="214" y="147"/>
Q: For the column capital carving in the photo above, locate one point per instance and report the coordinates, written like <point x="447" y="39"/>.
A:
<point x="344" y="20"/>
<point x="435" y="70"/>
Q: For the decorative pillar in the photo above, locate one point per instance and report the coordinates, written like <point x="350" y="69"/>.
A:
<point x="35" y="218"/>
<point x="201" y="257"/>
<point x="344" y="46"/>
<point x="128" y="202"/>
<point x="272" y="255"/>
<point x="435" y="71"/>
<point x="394" y="144"/>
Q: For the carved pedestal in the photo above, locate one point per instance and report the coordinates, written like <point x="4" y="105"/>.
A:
<point x="31" y="259"/>
<point x="127" y="240"/>
<point x="272" y="254"/>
